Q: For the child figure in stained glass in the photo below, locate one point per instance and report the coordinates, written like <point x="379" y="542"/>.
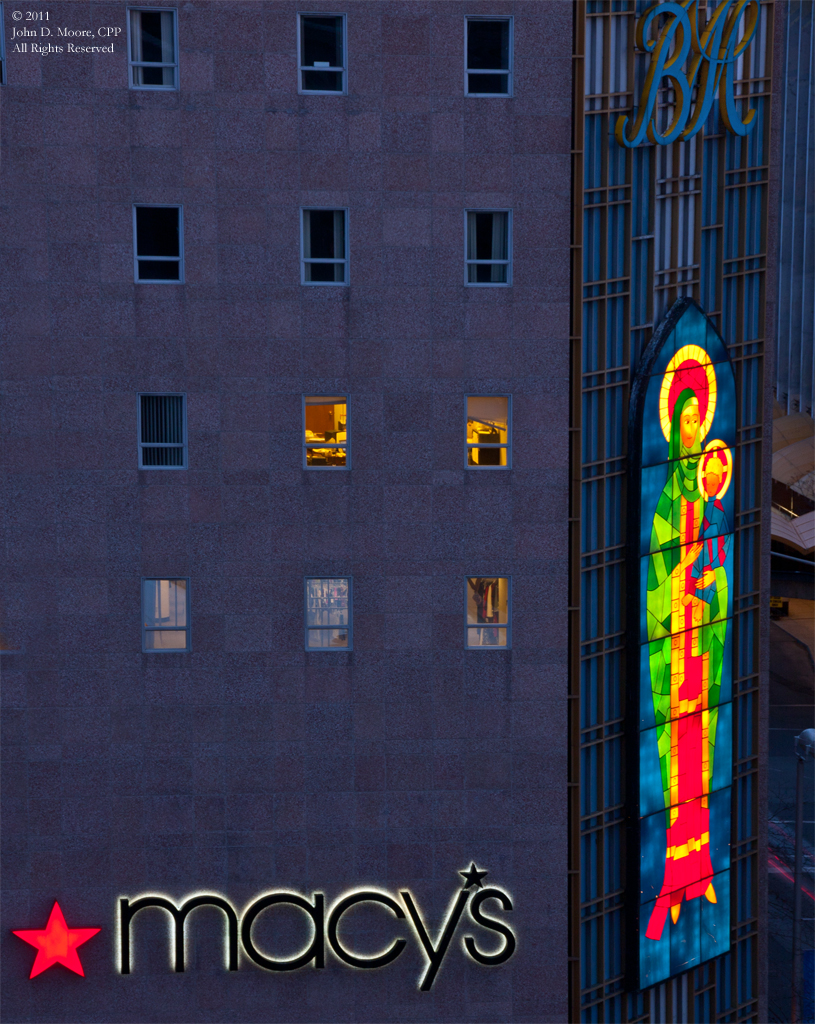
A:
<point x="710" y="585"/>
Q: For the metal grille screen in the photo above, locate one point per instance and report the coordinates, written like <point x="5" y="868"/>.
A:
<point x="162" y="441"/>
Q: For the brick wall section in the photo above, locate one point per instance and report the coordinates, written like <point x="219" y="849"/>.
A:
<point x="247" y="764"/>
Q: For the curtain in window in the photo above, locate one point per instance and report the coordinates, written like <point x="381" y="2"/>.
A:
<point x="339" y="236"/>
<point x="151" y="40"/>
<point x="499" y="246"/>
<point x="487" y="239"/>
<point x="472" y="248"/>
<point x="324" y="239"/>
<point x="165" y="602"/>
<point x="152" y="37"/>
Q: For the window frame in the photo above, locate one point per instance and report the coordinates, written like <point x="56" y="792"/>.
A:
<point x="152" y="64"/>
<point x="497" y="625"/>
<point x="488" y="263"/>
<point x="153" y="629"/>
<point x="179" y="258"/>
<point x="323" y="444"/>
<point x="508" y="445"/>
<point x="346" y="261"/>
<point x="302" y="67"/>
<point x="307" y="628"/>
<point x="2" y="46"/>
<point x="509" y="72"/>
<point x="184" y="445"/>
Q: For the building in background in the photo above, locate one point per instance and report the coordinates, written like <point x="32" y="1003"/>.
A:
<point x="796" y="254"/>
<point x="792" y="631"/>
<point x="793" y="464"/>
<point x="330" y="543"/>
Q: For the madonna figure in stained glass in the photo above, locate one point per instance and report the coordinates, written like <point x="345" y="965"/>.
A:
<point x="686" y="609"/>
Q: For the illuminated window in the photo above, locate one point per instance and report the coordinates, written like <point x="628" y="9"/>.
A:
<point x="489" y="57"/>
<point x="153" y="49"/>
<point x="488" y="245"/>
<point x="322" y="49"/>
<point x="487" y="600"/>
<point x="328" y="613"/>
<point x="158" y="244"/>
<point x="165" y="615"/>
<point x="488" y="424"/>
<point x="162" y="432"/>
<point x="325" y="247"/>
<point x="325" y="441"/>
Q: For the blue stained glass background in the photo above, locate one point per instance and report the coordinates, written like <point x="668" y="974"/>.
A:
<point x="684" y="937"/>
<point x="702" y="932"/>
<point x="693" y="328"/>
<point x="702" y="929"/>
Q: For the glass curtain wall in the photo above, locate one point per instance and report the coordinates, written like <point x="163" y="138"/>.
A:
<point x="650" y="225"/>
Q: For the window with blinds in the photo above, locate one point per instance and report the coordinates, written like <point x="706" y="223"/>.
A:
<point x="162" y="432"/>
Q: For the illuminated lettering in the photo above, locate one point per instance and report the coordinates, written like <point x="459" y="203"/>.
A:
<point x="314" y="951"/>
<point x="712" y="54"/>
<point x="365" y="962"/>
<point x="435" y="954"/>
<point x="322" y="929"/>
<point x="128" y="910"/>
<point x="502" y="955"/>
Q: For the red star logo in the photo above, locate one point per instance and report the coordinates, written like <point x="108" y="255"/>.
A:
<point x="56" y="943"/>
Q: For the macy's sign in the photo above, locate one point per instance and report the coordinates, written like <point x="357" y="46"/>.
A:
<point x="57" y="943"/>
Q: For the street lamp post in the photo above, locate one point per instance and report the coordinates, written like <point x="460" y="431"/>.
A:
<point x="804" y="747"/>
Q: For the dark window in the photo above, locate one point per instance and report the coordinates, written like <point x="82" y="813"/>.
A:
<point x="162" y="432"/>
<point x="322" y="67"/>
<point x="324" y="247"/>
<point x="488" y="57"/>
<point x="153" y="53"/>
<point x="487" y="247"/>
<point x="158" y="243"/>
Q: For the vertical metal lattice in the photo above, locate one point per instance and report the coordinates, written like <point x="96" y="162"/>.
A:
<point x="652" y="224"/>
<point x="795" y="341"/>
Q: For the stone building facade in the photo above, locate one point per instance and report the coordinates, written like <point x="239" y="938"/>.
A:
<point x="246" y="763"/>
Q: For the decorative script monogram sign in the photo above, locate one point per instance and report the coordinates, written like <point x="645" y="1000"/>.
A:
<point x="712" y="58"/>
